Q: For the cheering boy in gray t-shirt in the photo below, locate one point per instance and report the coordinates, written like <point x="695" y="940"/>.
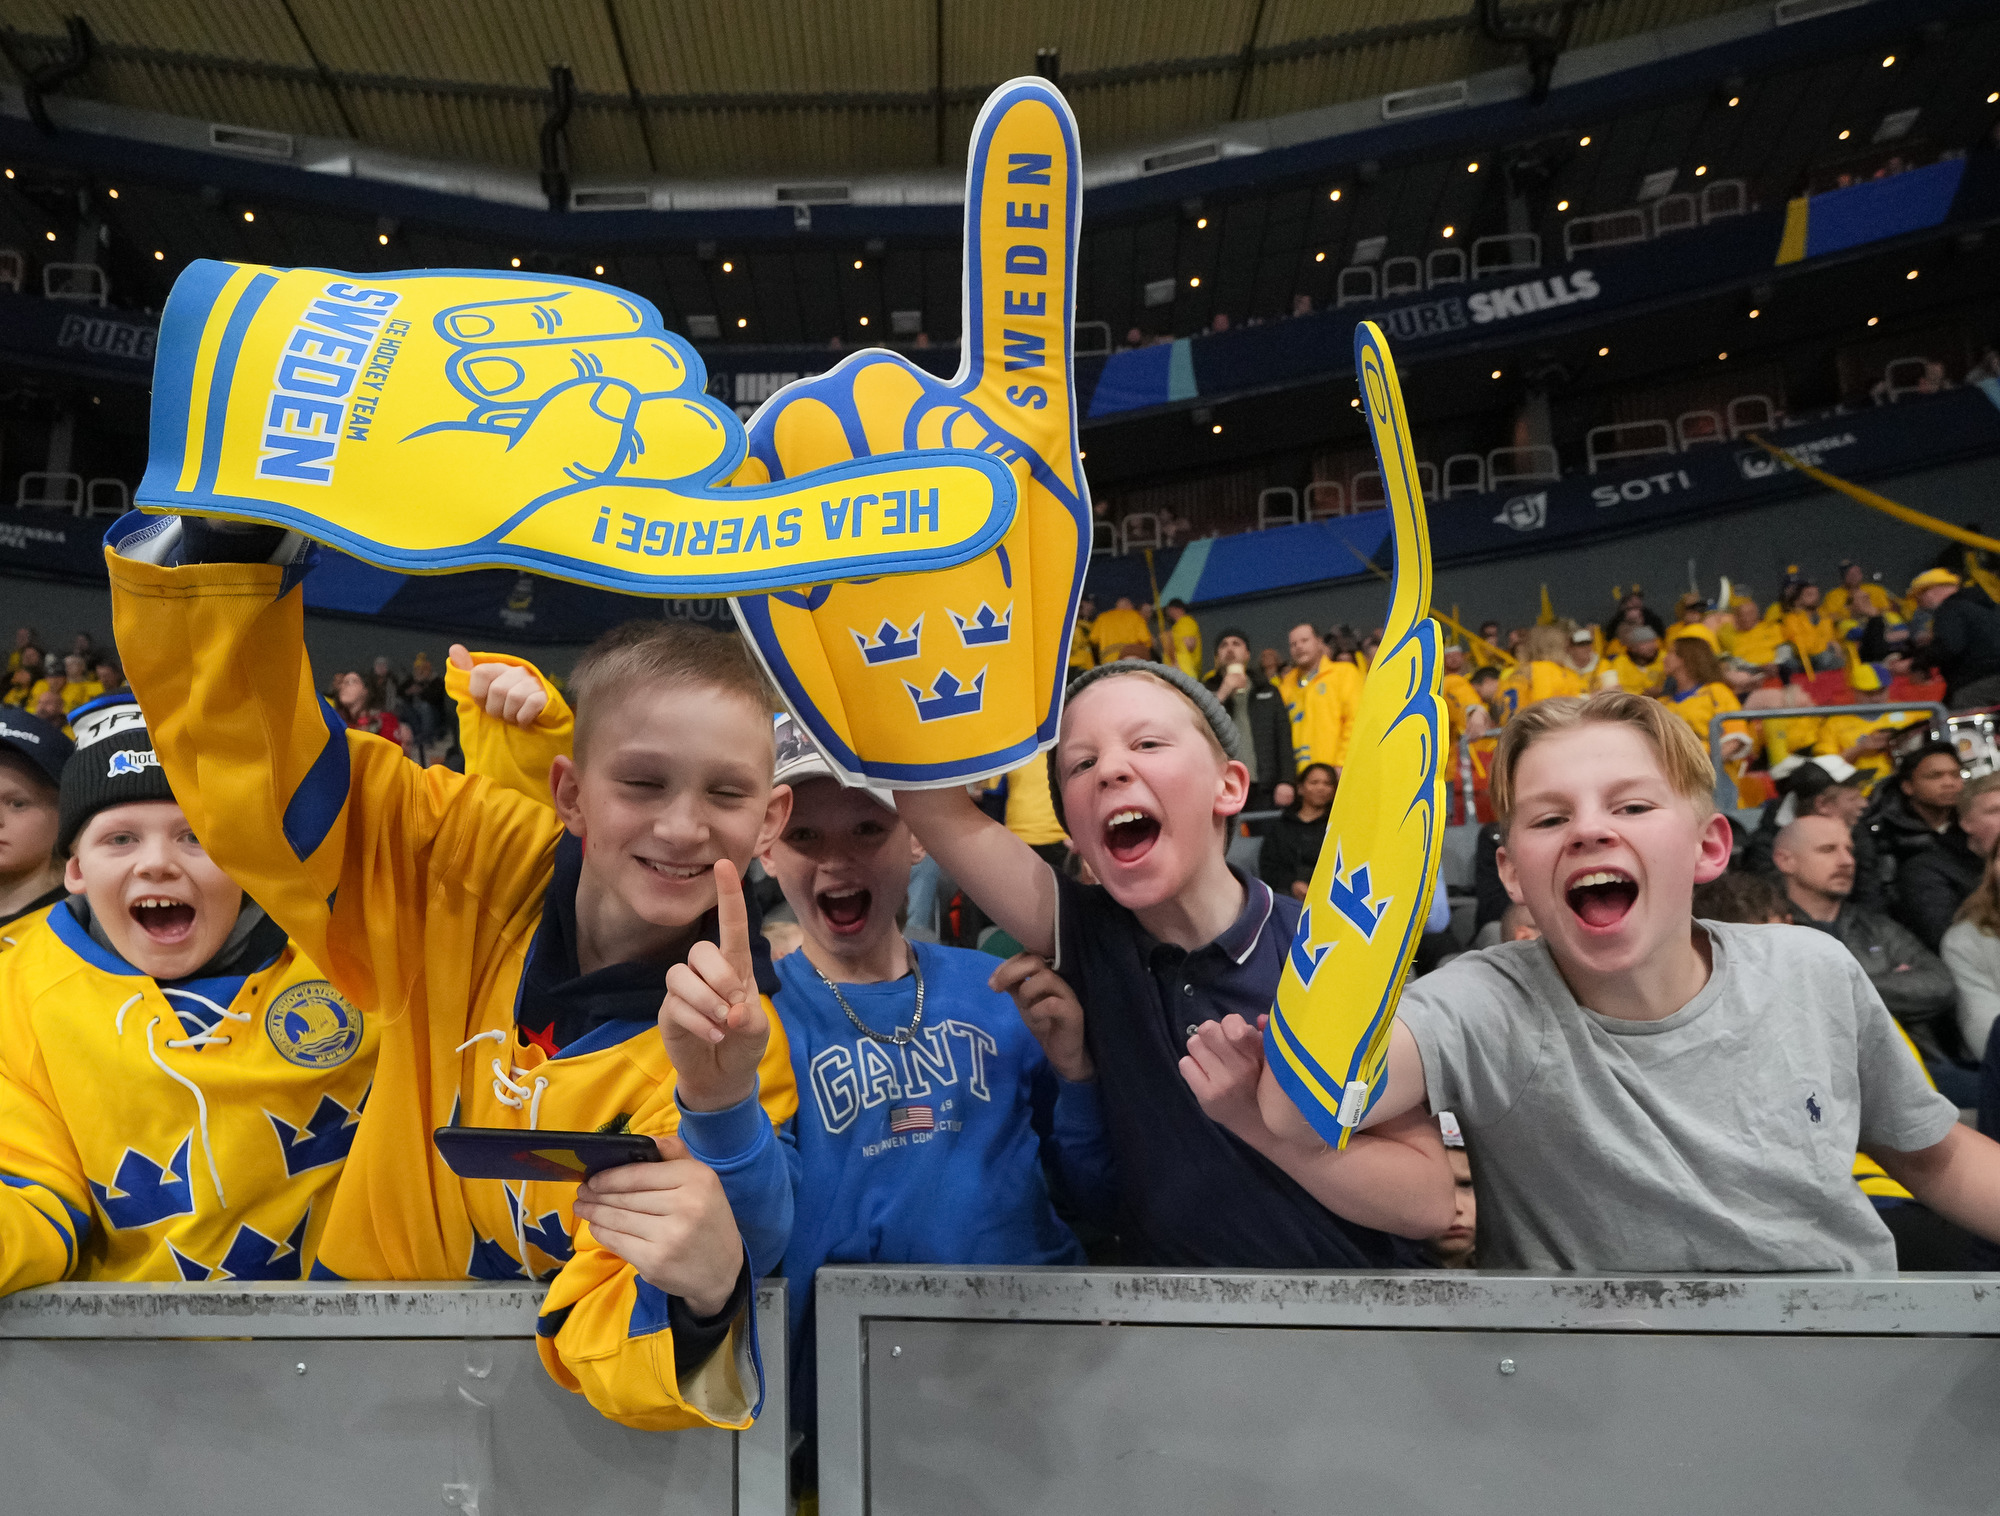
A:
<point x="1642" y="1091"/>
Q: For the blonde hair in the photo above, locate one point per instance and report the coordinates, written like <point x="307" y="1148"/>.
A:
<point x="1982" y="906"/>
<point x="1985" y="784"/>
<point x="1545" y="644"/>
<point x="1682" y="758"/>
<point x="662" y="654"/>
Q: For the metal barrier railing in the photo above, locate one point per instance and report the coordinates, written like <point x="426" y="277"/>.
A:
<point x="1725" y="787"/>
<point x="327" y="1399"/>
<point x="1076" y="1390"/>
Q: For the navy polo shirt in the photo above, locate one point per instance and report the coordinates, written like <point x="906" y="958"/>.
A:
<point x="1190" y="1194"/>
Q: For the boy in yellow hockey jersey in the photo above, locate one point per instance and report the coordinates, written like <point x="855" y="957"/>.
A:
<point x="517" y="972"/>
<point x="179" y="1085"/>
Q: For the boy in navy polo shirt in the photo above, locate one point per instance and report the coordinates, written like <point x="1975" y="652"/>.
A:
<point x="1146" y="777"/>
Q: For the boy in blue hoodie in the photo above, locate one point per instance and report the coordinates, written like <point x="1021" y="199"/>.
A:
<point x="926" y="1108"/>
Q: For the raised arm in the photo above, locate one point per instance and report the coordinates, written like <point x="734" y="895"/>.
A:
<point x="996" y="868"/>
<point x="335" y="833"/>
<point x="512" y="722"/>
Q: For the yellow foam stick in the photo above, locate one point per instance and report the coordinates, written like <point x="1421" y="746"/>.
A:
<point x="939" y="678"/>
<point x="450" y="419"/>
<point x="1371" y="890"/>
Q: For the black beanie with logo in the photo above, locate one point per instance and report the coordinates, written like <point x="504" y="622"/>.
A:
<point x="114" y="764"/>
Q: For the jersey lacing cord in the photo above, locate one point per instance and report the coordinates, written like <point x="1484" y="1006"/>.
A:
<point x="205" y="1039"/>
<point x="518" y="1096"/>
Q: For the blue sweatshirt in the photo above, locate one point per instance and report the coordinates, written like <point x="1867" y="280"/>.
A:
<point x="932" y="1152"/>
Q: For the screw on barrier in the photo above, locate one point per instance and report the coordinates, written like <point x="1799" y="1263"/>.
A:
<point x="896" y="1352"/>
<point x="301" y="1368"/>
<point x="1506" y="1365"/>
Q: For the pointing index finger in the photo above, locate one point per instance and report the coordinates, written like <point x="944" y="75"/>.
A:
<point x="1022" y="203"/>
<point x="732" y="923"/>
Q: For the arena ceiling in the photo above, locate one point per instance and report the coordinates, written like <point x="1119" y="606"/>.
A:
<point x="753" y="87"/>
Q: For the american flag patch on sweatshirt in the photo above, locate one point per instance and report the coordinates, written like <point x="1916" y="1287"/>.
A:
<point x="911" y="1118"/>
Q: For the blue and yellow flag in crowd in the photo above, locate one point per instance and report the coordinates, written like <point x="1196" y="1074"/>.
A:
<point x="1370" y="895"/>
<point x="454" y="419"/>
<point x="938" y="678"/>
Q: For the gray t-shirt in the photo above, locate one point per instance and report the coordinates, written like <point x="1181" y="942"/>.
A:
<point x="1718" y="1140"/>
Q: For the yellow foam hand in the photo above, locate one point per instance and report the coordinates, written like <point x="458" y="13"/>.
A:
<point x="1371" y="890"/>
<point x="936" y="678"/>
<point x="432" y="421"/>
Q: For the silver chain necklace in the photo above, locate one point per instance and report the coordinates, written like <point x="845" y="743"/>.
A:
<point x="902" y="1034"/>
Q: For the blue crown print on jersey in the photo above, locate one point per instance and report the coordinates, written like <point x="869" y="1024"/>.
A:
<point x="252" y="1255"/>
<point x="325" y="1138"/>
<point x="489" y="1260"/>
<point x="142" y="1193"/>
<point x="544" y="1231"/>
<point x="948" y="697"/>
<point x="984" y="629"/>
<point x="889" y="645"/>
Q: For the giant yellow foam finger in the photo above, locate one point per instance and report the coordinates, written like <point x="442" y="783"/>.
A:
<point x="937" y="678"/>
<point x="432" y="421"/>
<point x="1371" y="891"/>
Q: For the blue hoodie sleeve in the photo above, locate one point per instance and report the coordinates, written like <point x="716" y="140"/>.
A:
<point x="759" y="1170"/>
<point x="1075" y="1146"/>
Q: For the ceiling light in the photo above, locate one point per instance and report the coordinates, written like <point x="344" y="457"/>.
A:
<point x="50" y="235"/>
<point x="741" y="322"/>
<point x="1449" y="230"/>
<point x="1496" y="373"/>
<point x="864" y="320"/>
<point x="158" y="256"/>
<point x="114" y="194"/>
<point x="600" y="271"/>
<point x="1911" y="274"/>
<point x="1334" y="196"/>
<point x="1583" y="142"/>
<point x="1472" y="168"/>
<point x="1722" y="357"/>
<point x="1755" y="313"/>
<point x="1604" y="352"/>
<point x="10" y="172"/>
<point x="1890" y="61"/>
<point x="1873" y="320"/>
<point x="1319" y="257"/>
<point x="1195" y="283"/>
<point x="1735" y="100"/>
<point x="1201" y="225"/>
<point x="383" y="238"/>
<point x="515" y="263"/>
<point x="1702" y="169"/>
<point x="1845" y="135"/>
<point x="1356" y="403"/>
<point x="1992" y="99"/>
<point x="249" y="215"/>
<point x="1080" y="453"/>
<point x="857" y="263"/>
<point x="729" y="268"/>
<point x="1562" y="205"/>
<point x="1216" y="430"/>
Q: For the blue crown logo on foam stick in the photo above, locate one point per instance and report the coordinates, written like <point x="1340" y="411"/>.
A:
<point x="889" y="645"/>
<point x="948" y="696"/>
<point x="984" y="629"/>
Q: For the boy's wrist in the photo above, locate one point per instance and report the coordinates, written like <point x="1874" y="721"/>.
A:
<point x="719" y="1135"/>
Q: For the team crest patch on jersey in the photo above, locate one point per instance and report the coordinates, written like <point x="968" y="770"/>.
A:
<point x="312" y="1026"/>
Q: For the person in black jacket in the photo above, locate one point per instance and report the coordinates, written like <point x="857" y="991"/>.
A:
<point x="1938" y="880"/>
<point x="1292" y="849"/>
<point x="1258" y="710"/>
<point x="1824" y="786"/>
<point x="1962" y="643"/>
<point x="1916" y="811"/>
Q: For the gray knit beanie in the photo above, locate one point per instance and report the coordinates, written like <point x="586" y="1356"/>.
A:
<point x="1218" y="719"/>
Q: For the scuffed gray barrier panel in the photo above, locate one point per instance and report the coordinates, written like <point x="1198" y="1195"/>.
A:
<point x="339" y="1399"/>
<point x="1055" y="1391"/>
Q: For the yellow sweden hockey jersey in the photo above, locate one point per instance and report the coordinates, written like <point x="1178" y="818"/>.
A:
<point x="154" y="1132"/>
<point x="420" y="891"/>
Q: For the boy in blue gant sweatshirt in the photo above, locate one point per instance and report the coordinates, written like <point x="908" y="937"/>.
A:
<point x="926" y="1108"/>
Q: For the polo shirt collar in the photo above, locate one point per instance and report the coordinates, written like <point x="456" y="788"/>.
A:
<point x="1240" y="937"/>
